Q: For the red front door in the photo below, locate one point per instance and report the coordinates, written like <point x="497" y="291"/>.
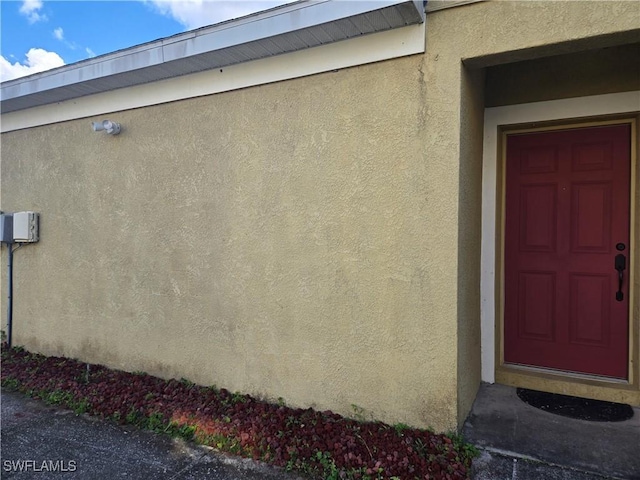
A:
<point x="567" y="219"/>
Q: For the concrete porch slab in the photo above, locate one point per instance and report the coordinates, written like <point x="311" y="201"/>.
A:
<point x="505" y="427"/>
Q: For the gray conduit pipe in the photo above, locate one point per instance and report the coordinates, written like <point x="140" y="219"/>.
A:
<point x="10" y="251"/>
<point x="9" y="292"/>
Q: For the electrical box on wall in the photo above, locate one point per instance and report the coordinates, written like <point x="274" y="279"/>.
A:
<point x="25" y="227"/>
<point x="6" y="228"/>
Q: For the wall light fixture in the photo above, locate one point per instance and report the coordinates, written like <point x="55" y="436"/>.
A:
<point x="112" y="128"/>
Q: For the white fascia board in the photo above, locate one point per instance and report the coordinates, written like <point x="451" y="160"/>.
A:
<point x="371" y="48"/>
<point x="297" y="16"/>
<point x="182" y="47"/>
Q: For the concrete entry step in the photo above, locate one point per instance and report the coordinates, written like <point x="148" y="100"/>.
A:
<point x="517" y="438"/>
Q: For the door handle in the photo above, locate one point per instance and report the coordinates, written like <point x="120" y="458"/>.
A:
<point x="620" y="266"/>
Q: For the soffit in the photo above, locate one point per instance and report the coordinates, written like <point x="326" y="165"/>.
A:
<point x="289" y="28"/>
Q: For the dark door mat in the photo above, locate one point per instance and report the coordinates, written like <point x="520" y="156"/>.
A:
<point x="576" y="407"/>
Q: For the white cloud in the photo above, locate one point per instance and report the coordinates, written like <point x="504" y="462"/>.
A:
<point x="198" y="13"/>
<point x="38" y="60"/>
<point x="58" y="33"/>
<point x="31" y="10"/>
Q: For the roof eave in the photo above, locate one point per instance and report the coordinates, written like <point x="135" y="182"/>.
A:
<point x="285" y="29"/>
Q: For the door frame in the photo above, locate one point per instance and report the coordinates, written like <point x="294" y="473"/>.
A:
<point x="545" y="116"/>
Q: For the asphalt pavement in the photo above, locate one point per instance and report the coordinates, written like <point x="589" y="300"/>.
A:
<point x="44" y="442"/>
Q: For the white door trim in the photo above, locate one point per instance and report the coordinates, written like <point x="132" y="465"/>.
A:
<point x="570" y="108"/>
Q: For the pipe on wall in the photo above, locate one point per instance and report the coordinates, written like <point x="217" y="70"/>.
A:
<point x="10" y="251"/>
<point x="9" y="293"/>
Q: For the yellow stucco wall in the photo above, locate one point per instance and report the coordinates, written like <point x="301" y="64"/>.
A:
<point x="270" y="240"/>
<point x="469" y="230"/>
<point x="306" y="239"/>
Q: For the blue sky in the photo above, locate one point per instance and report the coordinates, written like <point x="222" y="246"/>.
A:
<point x="37" y="35"/>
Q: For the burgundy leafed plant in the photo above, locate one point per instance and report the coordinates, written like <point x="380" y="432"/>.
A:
<point x="320" y="444"/>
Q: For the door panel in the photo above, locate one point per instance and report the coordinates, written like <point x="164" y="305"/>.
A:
<point x="567" y="206"/>
<point x="591" y="217"/>
<point x="590" y="306"/>
<point x="536" y="305"/>
<point x="538" y="205"/>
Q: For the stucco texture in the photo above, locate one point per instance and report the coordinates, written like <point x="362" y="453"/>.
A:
<point x="270" y="240"/>
<point x="316" y="239"/>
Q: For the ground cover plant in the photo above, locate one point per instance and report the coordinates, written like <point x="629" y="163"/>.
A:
<point x="318" y="444"/>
